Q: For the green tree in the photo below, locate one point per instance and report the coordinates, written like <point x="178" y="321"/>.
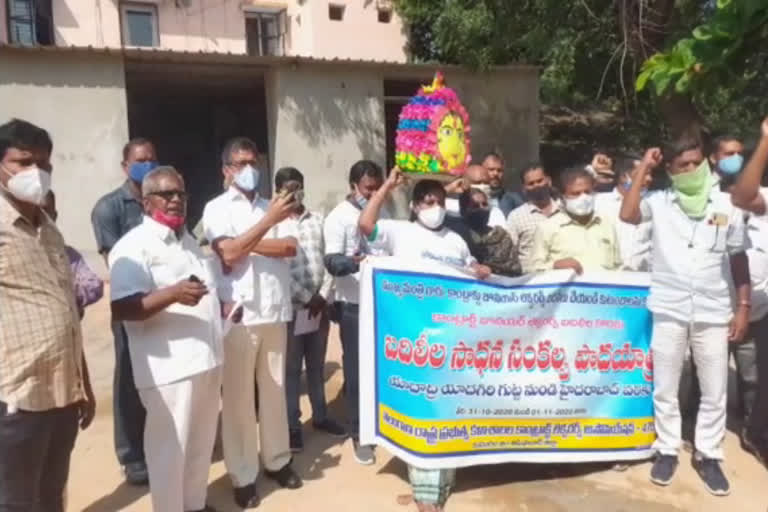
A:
<point x="595" y="55"/>
<point x="718" y="65"/>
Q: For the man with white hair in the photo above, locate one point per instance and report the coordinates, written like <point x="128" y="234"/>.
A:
<point x="161" y="289"/>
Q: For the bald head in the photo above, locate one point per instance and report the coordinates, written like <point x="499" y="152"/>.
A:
<point x="476" y="175"/>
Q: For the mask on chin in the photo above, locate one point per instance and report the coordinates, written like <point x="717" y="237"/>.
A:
<point x="174" y="222"/>
<point x="361" y="200"/>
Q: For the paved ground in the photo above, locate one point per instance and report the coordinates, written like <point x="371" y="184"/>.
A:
<point x="334" y="482"/>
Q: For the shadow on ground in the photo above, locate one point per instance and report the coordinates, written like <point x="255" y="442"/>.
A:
<point x="123" y="496"/>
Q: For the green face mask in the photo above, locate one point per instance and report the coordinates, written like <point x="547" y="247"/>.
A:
<point x="693" y="189"/>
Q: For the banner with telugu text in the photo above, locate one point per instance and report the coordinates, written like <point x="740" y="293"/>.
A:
<point x="549" y="367"/>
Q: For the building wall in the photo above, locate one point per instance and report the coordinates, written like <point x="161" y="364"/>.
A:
<point x="503" y="109"/>
<point x="208" y="26"/>
<point x="321" y="121"/>
<point x="87" y="23"/>
<point x="80" y="100"/>
<point x="359" y="35"/>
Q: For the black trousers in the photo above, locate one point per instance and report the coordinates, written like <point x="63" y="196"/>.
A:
<point x="129" y="413"/>
<point x="34" y="458"/>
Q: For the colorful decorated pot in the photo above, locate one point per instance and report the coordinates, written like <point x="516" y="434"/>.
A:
<point x="433" y="133"/>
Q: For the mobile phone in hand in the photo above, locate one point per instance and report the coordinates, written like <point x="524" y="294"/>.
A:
<point x="194" y="279"/>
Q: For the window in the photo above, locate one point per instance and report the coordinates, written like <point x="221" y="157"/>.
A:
<point x="385" y="15"/>
<point x="265" y="32"/>
<point x="335" y="12"/>
<point x="30" y="22"/>
<point x="139" y="24"/>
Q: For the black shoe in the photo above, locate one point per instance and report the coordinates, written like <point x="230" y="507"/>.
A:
<point x="331" y="428"/>
<point x="756" y="447"/>
<point x="296" y="439"/>
<point x="663" y="469"/>
<point x="286" y="477"/>
<point x="364" y="454"/>
<point x="712" y="474"/>
<point x="246" y="497"/>
<point x="136" y="473"/>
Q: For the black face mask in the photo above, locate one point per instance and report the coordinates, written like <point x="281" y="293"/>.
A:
<point x="538" y="193"/>
<point x="477" y="219"/>
<point x="603" y="187"/>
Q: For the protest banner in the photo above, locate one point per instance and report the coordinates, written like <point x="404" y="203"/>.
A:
<point x="550" y="367"/>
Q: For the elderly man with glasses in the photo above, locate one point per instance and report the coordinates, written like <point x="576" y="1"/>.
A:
<point x="161" y="289"/>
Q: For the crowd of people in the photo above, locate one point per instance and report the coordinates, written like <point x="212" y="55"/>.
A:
<point x="224" y="323"/>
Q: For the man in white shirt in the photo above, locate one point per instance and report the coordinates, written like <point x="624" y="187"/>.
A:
<point x="748" y="194"/>
<point x="344" y="250"/>
<point x="423" y="237"/>
<point x="523" y="221"/>
<point x="698" y="256"/>
<point x="634" y="241"/>
<point x="253" y="246"/>
<point x="161" y="289"/>
<point x="727" y="162"/>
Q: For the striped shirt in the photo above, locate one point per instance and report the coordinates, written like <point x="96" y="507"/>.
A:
<point x="41" y="344"/>
<point x="521" y="225"/>
<point x="308" y="275"/>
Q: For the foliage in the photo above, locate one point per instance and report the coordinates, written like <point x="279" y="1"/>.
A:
<point x="595" y="54"/>
<point x="713" y="51"/>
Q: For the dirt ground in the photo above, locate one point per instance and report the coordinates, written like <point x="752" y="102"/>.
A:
<point x="335" y="482"/>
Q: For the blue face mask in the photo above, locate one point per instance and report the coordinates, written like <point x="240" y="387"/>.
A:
<point x="628" y="184"/>
<point x="139" y="170"/>
<point x="731" y="165"/>
<point x="247" y="179"/>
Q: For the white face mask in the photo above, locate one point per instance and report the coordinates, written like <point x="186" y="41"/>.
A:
<point x="580" y="206"/>
<point x="248" y="178"/>
<point x="30" y="185"/>
<point x="432" y="217"/>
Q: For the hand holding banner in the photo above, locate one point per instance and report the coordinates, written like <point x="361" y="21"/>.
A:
<point x="545" y="368"/>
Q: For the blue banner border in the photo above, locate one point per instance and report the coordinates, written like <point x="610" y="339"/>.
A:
<point x="478" y="453"/>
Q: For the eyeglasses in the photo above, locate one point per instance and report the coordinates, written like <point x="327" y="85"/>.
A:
<point x="168" y="195"/>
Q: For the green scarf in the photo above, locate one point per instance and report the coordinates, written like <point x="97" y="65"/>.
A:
<point x="693" y="189"/>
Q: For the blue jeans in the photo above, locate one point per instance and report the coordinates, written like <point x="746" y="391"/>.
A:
<point x="349" y="331"/>
<point x="309" y="349"/>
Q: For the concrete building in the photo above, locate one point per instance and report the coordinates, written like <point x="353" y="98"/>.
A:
<point x="317" y="114"/>
<point x="354" y="29"/>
